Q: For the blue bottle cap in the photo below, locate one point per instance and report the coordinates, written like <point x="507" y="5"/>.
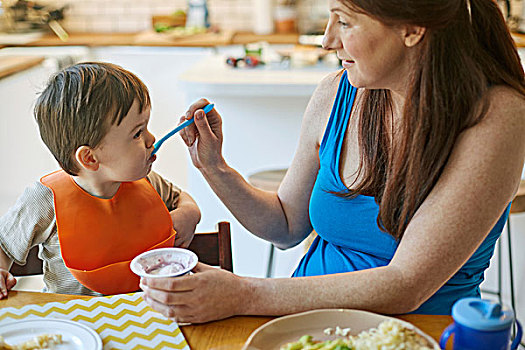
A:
<point x="483" y="315"/>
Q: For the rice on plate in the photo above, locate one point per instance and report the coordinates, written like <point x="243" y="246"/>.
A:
<point x="338" y="329"/>
<point x="390" y="334"/>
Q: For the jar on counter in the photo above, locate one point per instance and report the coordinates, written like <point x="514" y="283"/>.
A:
<point x="285" y="19"/>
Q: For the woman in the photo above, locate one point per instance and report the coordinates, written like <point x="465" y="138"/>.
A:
<point x="407" y="181"/>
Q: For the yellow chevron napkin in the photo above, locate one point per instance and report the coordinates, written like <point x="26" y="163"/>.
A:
<point x="123" y="321"/>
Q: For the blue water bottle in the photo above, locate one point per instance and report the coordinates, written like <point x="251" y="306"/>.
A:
<point x="481" y="325"/>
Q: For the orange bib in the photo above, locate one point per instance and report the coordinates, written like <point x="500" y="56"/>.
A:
<point x="99" y="237"/>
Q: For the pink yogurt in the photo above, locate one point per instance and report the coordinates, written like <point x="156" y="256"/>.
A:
<point x="164" y="262"/>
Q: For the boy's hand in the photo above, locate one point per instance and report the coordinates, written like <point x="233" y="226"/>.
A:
<point x="7" y="281"/>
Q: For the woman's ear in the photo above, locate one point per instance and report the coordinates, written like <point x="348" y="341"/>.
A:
<point x="86" y="158"/>
<point x="412" y="35"/>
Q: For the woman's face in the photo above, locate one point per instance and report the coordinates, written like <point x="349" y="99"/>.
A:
<point x="373" y="54"/>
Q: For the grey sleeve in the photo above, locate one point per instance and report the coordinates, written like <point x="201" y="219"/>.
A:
<point x="169" y="193"/>
<point x="29" y="222"/>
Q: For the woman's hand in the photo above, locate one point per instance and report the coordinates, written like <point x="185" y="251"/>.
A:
<point x="7" y="281"/>
<point x="208" y="294"/>
<point x="204" y="136"/>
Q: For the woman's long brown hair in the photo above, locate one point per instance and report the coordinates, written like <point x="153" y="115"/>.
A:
<point x="462" y="55"/>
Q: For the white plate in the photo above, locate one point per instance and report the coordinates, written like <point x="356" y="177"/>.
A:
<point x="286" y="329"/>
<point x="75" y="336"/>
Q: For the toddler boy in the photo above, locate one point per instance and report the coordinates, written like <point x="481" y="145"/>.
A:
<point x="106" y="205"/>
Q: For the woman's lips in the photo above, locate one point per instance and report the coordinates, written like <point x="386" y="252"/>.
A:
<point x="347" y="63"/>
<point x="152" y="158"/>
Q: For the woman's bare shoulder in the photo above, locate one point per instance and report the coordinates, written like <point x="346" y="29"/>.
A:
<point x="506" y="105"/>
<point x="326" y="90"/>
<point x="504" y="116"/>
<point x="497" y="141"/>
<point x="320" y="104"/>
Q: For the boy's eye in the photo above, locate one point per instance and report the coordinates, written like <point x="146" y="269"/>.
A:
<point x="343" y="24"/>
<point x="137" y="135"/>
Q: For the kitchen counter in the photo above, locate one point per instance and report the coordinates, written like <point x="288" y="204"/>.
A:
<point x="151" y="38"/>
<point x="519" y="39"/>
<point x="212" y="76"/>
<point x="14" y="64"/>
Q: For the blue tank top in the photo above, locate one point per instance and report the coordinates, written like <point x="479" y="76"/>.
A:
<point x="349" y="238"/>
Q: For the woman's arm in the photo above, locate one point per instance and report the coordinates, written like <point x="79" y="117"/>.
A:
<point x="477" y="184"/>
<point x="479" y="180"/>
<point x="280" y="218"/>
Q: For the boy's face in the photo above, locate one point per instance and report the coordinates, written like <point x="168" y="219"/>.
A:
<point x="125" y="152"/>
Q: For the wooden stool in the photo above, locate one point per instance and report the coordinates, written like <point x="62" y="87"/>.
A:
<point x="270" y="180"/>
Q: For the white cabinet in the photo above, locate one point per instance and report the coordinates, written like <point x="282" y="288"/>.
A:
<point x="25" y="158"/>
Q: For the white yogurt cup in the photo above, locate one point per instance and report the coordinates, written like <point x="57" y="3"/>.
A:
<point x="164" y="262"/>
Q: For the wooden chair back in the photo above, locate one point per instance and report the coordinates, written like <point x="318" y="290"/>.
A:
<point x="33" y="265"/>
<point x="518" y="204"/>
<point x="213" y="248"/>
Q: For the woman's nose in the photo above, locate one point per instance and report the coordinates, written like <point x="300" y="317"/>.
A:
<point x="329" y="39"/>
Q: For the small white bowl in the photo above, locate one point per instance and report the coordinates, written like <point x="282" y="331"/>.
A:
<point x="164" y="262"/>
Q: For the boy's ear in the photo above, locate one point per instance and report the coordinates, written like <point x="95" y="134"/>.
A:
<point x="86" y="158"/>
<point x="412" y="35"/>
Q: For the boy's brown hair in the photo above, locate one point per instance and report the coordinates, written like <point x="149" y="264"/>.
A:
<point x="81" y="102"/>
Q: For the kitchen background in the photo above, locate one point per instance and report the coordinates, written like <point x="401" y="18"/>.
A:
<point x="238" y="15"/>
<point x="261" y="107"/>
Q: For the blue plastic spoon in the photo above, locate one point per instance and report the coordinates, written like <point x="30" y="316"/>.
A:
<point x="157" y="145"/>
